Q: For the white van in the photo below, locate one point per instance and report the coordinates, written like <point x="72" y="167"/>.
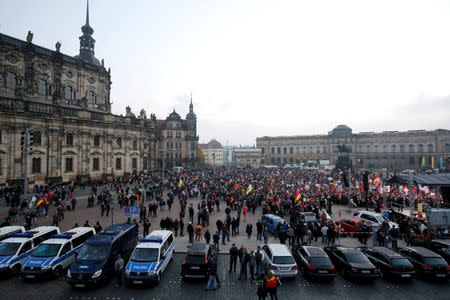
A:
<point x="15" y="250"/>
<point x="150" y="258"/>
<point x="8" y="231"/>
<point x="56" y="254"/>
<point x="178" y="169"/>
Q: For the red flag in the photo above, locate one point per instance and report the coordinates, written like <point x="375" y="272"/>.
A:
<point x="236" y="186"/>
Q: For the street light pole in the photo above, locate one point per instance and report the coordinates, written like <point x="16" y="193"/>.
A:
<point x="162" y="177"/>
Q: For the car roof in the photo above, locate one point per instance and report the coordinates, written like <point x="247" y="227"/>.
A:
<point x="16" y="240"/>
<point x="388" y="252"/>
<point x="198" y="248"/>
<point x="446" y="242"/>
<point x="423" y="251"/>
<point x="279" y="249"/>
<point x="315" y="251"/>
<point x="162" y="234"/>
<point x="349" y="251"/>
<point x="271" y="216"/>
<point x="55" y="241"/>
<point x="9" y="229"/>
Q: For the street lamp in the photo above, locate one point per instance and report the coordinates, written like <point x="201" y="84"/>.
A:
<point x="162" y="175"/>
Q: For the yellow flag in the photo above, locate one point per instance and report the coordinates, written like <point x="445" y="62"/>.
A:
<point x="181" y="183"/>
<point x="249" y="189"/>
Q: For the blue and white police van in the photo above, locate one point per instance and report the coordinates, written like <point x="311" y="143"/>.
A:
<point x="150" y="258"/>
<point x="8" y="231"/>
<point x="56" y="254"/>
<point x="15" y="250"/>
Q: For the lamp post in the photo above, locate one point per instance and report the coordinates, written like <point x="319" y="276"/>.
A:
<point x="214" y="161"/>
<point x="162" y="175"/>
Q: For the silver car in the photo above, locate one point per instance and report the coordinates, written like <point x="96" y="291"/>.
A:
<point x="278" y="259"/>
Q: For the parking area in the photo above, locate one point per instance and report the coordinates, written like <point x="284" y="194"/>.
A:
<point x="172" y="287"/>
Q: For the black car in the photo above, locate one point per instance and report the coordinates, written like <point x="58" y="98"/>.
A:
<point x="427" y="263"/>
<point x="390" y="263"/>
<point x="352" y="263"/>
<point x="195" y="264"/>
<point x="314" y="262"/>
<point x="441" y="247"/>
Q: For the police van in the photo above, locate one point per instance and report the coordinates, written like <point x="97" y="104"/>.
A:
<point x="95" y="261"/>
<point x="8" y="231"/>
<point x="15" y="250"/>
<point x="150" y="258"/>
<point x="56" y="254"/>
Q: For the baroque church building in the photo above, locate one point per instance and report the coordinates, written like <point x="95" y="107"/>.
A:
<point x="62" y="103"/>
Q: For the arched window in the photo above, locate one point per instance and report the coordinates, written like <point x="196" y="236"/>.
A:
<point x="420" y="148"/>
<point x="272" y="150"/>
<point x="284" y="150"/>
<point x="42" y="87"/>
<point x="97" y="141"/>
<point x="447" y="148"/>
<point x="430" y="148"/>
<point x="37" y="138"/>
<point x="135" y="145"/>
<point x="11" y="80"/>
<point x="91" y="97"/>
<point x="384" y="148"/>
<point x="119" y="142"/>
<point x="36" y="165"/>
<point x="262" y="151"/>
<point x="411" y="148"/>
<point x="325" y="149"/>
<point x="68" y="92"/>
<point x="394" y="148"/>
<point x="402" y="148"/>
<point x="69" y="139"/>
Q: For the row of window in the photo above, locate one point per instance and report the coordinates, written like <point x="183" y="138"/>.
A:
<point x="177" y="134"/>
<point x="171" y="145"/>
<point x="36" y="164"/>
<point x="37" y="140"/>
<point x="401" y="148"/>
<point x="298" y="149"/>
<point x="368" y="148"/>
<point x="44" y="88"/>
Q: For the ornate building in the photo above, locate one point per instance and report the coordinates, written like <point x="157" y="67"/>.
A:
<point x="413" y="149"/>
<point x="64" y="104"/>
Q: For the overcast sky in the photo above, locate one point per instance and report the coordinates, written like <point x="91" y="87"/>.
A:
<point x="259" y="68"/>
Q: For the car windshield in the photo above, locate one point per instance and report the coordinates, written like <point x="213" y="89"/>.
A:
<point x="400" y="262"/>
<point x="93" y="252"/>
<point x="144" y="255"/>
<point x="283" y="260"/>
<point x="46" y="250"/>
<point x="9" y="249"/>
<point x="320" y="261"/>
<point x="357" y="259"/>
<point x="434" y="261"/>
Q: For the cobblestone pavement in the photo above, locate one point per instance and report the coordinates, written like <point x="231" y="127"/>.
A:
<point x="172" y="287"/>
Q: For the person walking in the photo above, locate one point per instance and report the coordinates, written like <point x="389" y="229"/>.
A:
<point x="207" y="236"/>
<point x="190" y="230"/>
<point x="261" y="291"/>
<point x="212" y="270"/>
<point x="258" y="261"/>
<point x="216" y="239"/>
<point x="98" y="227"/>
<point x="249" y="230"/>
<point x="198" y="232"/>
<point x="234" y="252"/>
<point x="272" y="282"/>
<point x="146" y="227"/>
<point x="118" y="268"/>
<point x="251" y="264"/>
<point x="181" y="227"/>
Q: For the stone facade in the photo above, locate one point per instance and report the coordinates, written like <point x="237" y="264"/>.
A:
<point x="247" y="157"/>
<point x="64" y="102"/>
<point x="214" y="153"/>
<point x="413" y="149"/>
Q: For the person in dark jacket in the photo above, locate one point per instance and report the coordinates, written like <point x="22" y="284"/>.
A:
<point x="190" y="230"/>
<point x="234" y="252"/>
<point x="207" y="236"/>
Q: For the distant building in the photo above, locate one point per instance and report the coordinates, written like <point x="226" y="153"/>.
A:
<point x="247" y="157"/>
<point x="228" y="158"/>
<point x="213" y="152"/>
<point x="412" y="149"/>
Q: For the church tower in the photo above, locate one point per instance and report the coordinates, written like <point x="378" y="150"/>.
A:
<point x="87" y="42"/>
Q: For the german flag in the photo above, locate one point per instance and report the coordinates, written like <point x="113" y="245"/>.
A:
<point x="249" y="189"/>
<point x="297" y="195"/>
<point x="38" y="202"/>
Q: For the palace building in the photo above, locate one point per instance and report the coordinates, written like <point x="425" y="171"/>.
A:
<point x="394" y="150"/>
<point x="63" y="103"/>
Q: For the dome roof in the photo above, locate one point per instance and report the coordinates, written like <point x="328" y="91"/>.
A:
<point x="174" y="116"/>
<point x="214" y="144"/>
<point x="92" y="60"/>
<point x="341" y="130"/>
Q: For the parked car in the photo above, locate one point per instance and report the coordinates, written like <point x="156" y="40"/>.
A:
<point x="271" y="222"/>
<point x="195" y="264"/>
<point x="441" y="247"/>
<point x="390" y="263"/>
<point x="314" y="262"/>
<point x="350" y="225"/>
<point x="352" y="263"/>
<point x="428" y="264"/>
<point x="374" y="218"/>
<point x="278" y="259"/>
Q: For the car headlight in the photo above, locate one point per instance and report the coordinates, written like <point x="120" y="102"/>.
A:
<point x="127" y="271"/>
<point x="68" y="274"/>
<point x="151" y="272"/>
<point x="97" y="274"/>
